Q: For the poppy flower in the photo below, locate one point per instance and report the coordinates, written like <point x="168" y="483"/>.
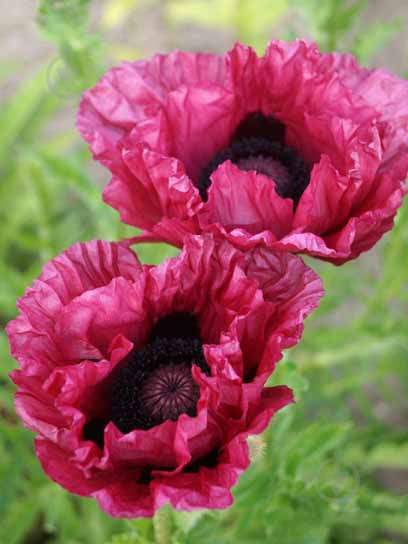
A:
<point x="296" y="150"/>
<point x="144" y="382"/>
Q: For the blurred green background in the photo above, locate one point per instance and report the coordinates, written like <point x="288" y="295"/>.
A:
<point x="332" y="469"/>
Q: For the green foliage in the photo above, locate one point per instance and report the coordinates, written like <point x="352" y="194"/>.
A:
<point x="379" y="34"/>
<point x="64" y="20"/>
<point x="331" y="20"/>
<point x="251" y="19"/>
<point x="78" y="65"/>
<point x="349" y="373"/>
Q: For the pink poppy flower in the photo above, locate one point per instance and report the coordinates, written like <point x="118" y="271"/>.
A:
<point x="144" y="382"/>
<point x="296" y="150"/>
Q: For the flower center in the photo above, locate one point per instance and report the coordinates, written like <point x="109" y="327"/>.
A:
<point x="258" y="144"/>
<point x="169" y="391"/>
<point x="157" y="384"/>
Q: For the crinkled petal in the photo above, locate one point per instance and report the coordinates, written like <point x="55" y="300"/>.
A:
<point x="291" y="291"/>
<point x="134" y="92"/>
<point x="386" y="93"/>
<point x="246" y="200"/>
<point x="57" y="463"/>
<point x="207" y="488"/>
<point x="273" y="399"/>
<point x="196" y="111"/>
<point x="295" y="85"/>
<point x="344" y="176"/>
<point x="156" y="187"/>
<point x="82" y="267"/>
<point x="205" y="279"/>
<point x="375" y="219"/>
<point x="86" y="326"/>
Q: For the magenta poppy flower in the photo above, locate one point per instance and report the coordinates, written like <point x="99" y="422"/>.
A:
<point x="296" y="150"/>
<point x="144" y="382"/>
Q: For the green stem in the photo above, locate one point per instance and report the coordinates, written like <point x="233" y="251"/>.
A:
<point x="163" y="525"/>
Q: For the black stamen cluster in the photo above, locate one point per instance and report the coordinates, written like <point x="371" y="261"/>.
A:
<point x="157" y="384"/>
<point x="261" y="137"/>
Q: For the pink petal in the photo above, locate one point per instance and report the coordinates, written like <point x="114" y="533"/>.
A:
<point x="246" y="200"/>
<point x="156" y="187"/>
<point x="86" y="327"/>
<point x="80" y="268"/>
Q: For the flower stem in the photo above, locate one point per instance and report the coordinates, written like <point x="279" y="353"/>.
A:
<point x="163" y="525"/>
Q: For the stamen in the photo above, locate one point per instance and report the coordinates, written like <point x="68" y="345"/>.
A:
<point x="258" y="125"/>
<point x="176" y="325"/>
<point x="258" y="144"/>
<point x="157" y="384"/>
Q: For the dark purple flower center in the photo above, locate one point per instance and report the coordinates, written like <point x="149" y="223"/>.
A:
<point x="157" y="383"/>
<point x="258" y="144"/>
<point x="169" y="391"/>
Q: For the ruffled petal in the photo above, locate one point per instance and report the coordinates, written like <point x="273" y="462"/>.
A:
<point x="205" y="279"/>
<point x="246" y="200"/>
<point x="82" y="267"/>
<point x="374" y="220"/>
<point x="386" y="93"/>
<point x="156" y="187"/>
<point x="36" y="407"/>
<point x="291" y="292"/>
<point x="127" y="499"/>
<point x="273" y="399"/>
<point x="86" y="326"/>
<point x="134" y="92"/>
<point x="344" y="176"/>
<point x="295" y="66"/>
<point x="57" y="463"/>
